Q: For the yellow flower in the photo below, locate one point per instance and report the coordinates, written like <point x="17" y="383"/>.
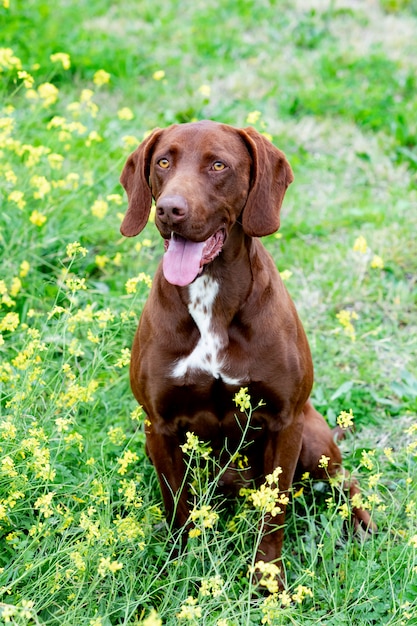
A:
<point x="205" y="516"/>
<point x="323" y="461"/>
<point x="9" y="175"/>
<point x="360" y="245"/>
<point x="87" y="95"/>
<point x="7" y="467"/>
<point x="125" y="114"/>
<point x="129" y="141"/>
<point x="101" y="260"/>
<point x="377" y="262"/>
<point x="116" y="198"/>
<point x="374" y="479"/>
<point x="106" y="565"/>
<point x="15" y="286"/>
<point x="18" y="198"/>
<point x="116" y="435"/>
<point x="345" y="318"/>
<point x="212" y="586"/>
<point x="125" y="460"/>
<point x="242" y="399"/>
<point x="136" y="414"/>
<point x="27" y="78"/>
<point x="301" y="593"/>
<point x="189" y="610"/>
<point x="9" y="322"/>
<point x="153" y="619"/>
<point x="345" y="420"/>
<point x="93" y="136"/>
<point x="158" y="75"/>
<point x="78" y="560"/>
<point x="367" y="459"/>
<point x="74" y="248"/>
<point x="43" y="504"/>
<point x="253" y="117"/>
<point x="124" y="359"/>
<point x="48" y="93"/>
<point x="99" y="209"/>
<point x="101" y="77"/>
<point x="63" y="58"/>
<point x="343" y="511"/>
<point x="205" y="90"/>
<point x="43" y="186"/>
<point x="55" y="161"/>
<point x="132" y="283"/>
<point x="193" y="444"/>
<point x="8" y="60"/>
<point x="285" y="274"/>
<point x="388" y="453"/>
<point x="75" y="284"/>
<point x="270" y="573"/>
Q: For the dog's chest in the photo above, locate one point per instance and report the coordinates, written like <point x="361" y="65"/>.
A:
<point x="210" y="353"/>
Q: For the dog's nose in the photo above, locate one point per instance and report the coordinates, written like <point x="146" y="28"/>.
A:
<point x="171" y="209"/>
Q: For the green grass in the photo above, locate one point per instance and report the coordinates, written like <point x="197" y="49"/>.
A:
<point x="82" y="533"/>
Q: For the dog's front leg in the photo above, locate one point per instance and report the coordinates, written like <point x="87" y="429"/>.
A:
<point x="281" y="454"/>
<point x="167" y="458"/>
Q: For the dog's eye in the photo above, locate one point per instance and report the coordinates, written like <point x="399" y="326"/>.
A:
<point x="218" y="166"/>
<point x="164" y="163"/>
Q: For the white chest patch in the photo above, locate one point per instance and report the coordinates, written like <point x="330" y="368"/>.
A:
<point x="207" y="354"/>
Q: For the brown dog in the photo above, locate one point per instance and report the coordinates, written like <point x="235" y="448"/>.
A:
<point x="218" y="317"/>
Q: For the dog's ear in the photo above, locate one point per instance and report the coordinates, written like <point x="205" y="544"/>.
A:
<point x="271" y="175"/>
<point x="135" y="179"/>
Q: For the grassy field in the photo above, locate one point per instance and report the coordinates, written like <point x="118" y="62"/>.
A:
<point x="334" y="84"/>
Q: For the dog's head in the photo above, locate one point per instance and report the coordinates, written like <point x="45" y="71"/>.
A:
<point x="204" y="177"/>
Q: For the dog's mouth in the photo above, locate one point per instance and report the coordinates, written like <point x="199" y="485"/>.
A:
<point x="184" y="259"/>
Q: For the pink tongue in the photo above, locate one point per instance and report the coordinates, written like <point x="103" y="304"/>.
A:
<point x="181" y="262"/>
